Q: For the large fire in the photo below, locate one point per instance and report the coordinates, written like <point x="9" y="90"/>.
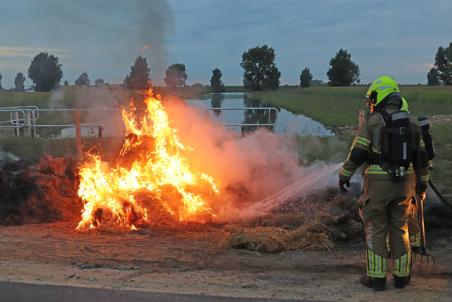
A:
<point x="151" y="167"/>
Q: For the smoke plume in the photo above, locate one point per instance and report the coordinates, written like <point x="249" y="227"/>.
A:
<point x="107" y="34"/>
<point x="257" y="172"/>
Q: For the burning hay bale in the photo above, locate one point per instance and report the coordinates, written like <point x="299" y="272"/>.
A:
<point x="44" y="192"/>
<point x="151" y="168"/>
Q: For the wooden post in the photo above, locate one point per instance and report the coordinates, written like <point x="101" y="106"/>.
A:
<point x="78" y="134"/>
<point x="361" y="117"/>
<point x="28" y="126"/>
<point x="17" y="123"/>
<point x="100" y="131"/>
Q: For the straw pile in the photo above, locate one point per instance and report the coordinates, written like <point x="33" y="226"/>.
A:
<point x="316" y="222"/>
<point x="44" y="192"/>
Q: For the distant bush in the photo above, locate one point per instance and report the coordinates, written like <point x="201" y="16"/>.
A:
<point x="45" y="72"/>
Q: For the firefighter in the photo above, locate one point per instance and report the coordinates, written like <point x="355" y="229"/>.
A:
<point x="390" y="147"/>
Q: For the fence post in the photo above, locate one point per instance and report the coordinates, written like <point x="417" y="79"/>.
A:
<point x="17" y="128"/>
<point x="28" y="126"/>
<point x="361" y="117"/>
<point x="78" y="134"/>
<point x="100" y="130"/>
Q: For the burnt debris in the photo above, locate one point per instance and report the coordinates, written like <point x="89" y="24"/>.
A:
<point x="44" y="192"/>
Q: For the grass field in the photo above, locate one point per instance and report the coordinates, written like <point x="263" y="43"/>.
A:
<point x="337" y="106"/>
<point x="442" y="164"/>
<point x="83" y="97"/>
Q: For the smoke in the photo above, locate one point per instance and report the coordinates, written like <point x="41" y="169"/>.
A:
<point x="257" y="172"/>
<point x="101" y="37"/>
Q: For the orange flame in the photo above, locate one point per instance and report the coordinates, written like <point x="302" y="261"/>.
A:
<point x="151" y="165"/>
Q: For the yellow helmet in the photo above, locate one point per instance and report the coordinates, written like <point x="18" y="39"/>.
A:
<point x="380" y="89"/>
<point x="404" y="105"/>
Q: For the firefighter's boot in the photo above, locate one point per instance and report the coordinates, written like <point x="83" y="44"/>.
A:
<point x="377" y="284"/>
<point x="401" y="282"/>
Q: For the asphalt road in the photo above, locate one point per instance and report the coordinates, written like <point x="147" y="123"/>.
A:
<point x="23" y="292"/>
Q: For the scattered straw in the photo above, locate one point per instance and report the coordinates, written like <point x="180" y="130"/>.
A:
<point x="276" y="239"/>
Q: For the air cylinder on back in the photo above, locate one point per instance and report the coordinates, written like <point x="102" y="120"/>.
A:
<point x="427" y="136"/>
<point x="399" y="139"/>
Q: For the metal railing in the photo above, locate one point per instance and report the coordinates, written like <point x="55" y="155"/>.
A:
<point x="24" y="119"/>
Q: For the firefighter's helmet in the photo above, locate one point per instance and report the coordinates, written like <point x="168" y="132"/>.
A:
<point x="404" y="105"/>
<point x="380" y="89"/>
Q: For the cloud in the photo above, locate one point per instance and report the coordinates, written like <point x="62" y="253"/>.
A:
<point x="104" y="36"/>
<point x="308" y="34"/>
<point x="29" y="52"/>
<point x="203" y="34"/>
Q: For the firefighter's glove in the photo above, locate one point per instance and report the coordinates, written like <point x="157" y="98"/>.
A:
<point x="344" y="184"/>
<point x="422" y="195"/>
<point x="421" y="188"/>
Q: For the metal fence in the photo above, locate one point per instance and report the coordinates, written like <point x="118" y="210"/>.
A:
<point x="28" y="120"/>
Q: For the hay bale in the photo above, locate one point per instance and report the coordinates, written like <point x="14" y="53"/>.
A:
<point x="261" y="239"/>
<point x="44" y="192"/>
<point x="277" y="239"/>
<point x="311" y="222"/>
<point x="314" y="237"/>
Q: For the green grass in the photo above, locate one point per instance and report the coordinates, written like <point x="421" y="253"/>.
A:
<point x="13" y="98"/>
<point x="189" y="92"/>
<point x="442" y="163"/>
<point x="84" y="97"/>
<point x="313" y="149"/>
<point x="32" y="149"/>
<point x="337" y="106"/>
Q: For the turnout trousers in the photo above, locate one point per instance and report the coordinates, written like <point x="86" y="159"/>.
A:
<point x="385" y="207"/>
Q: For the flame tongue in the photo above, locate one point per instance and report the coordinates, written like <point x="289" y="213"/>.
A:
<point x="150" y="168"/>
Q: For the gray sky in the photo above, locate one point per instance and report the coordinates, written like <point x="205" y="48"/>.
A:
<point x="103" y="37"/>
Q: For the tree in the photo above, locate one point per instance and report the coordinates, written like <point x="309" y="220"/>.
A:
<point x="260" y="71"/>
<point x="215" y="81"/>
<point x="443" y="64"/>
<point x="175" y="75"/>
<point x="1" y="88"/>
<point x="45" y="72"/>
<point x="19" y="82"/>
<point x="343" y="71"/>
<point x="305" y="78"/>
<point x="433" y="77"/>
<point x="66" y="83"/>
<point x="138" y="78"/>
<point x="83" y="80"/>
<point x="99" y="82"/>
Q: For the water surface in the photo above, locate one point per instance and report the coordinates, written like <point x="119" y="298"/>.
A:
<point x="230" y="109"/>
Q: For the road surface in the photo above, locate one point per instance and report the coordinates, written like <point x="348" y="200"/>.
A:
<point x="23" y="292"/>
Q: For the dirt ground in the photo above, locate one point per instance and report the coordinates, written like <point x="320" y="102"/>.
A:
<point x="193" y="260"/>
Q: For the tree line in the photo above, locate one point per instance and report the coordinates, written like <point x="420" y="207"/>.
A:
<point x="46" y="72"/>
<point x="258" y="63"/>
